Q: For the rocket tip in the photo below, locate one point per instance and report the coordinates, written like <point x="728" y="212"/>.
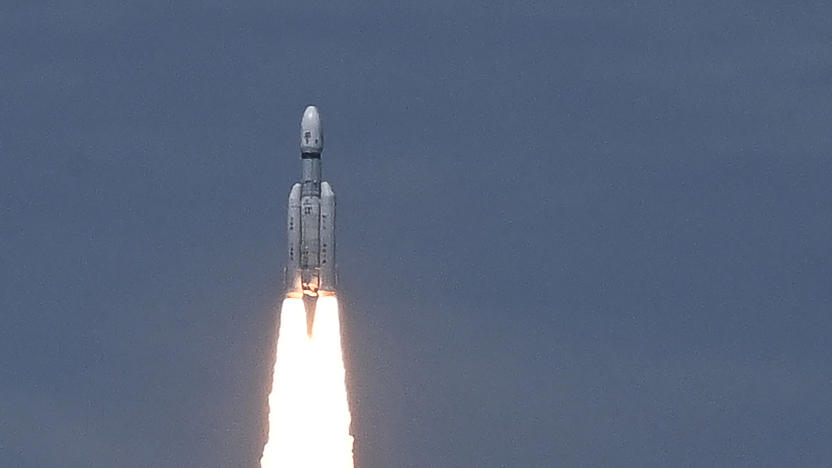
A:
<point x="312" y="134"/>
<point x="310" y="114"/>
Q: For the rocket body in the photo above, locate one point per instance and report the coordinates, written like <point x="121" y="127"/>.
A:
<point x="311" y="219"/>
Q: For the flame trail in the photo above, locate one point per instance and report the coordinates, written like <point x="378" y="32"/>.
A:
<point x="329" y="390"/>
<point x="309" y="418"/>
<point x="289" y="440"/>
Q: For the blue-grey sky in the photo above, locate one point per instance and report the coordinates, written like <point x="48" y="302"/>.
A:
<point x="576" y="233"/>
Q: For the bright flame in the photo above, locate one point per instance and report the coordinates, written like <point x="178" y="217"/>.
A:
<point x="309" y="418"/>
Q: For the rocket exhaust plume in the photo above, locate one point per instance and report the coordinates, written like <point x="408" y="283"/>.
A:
<point x="329" y="391"/>
<point x="309" y="417"/>
<point x="289" y="424"/>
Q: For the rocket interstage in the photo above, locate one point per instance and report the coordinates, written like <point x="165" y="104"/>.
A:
<point x="311" y="219"/>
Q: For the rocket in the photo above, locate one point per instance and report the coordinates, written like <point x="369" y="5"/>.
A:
<point x="310" y="272"/>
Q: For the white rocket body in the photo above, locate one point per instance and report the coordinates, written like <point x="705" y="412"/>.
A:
<point x="311" y="219"/>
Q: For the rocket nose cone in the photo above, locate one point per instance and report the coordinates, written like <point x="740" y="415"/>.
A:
<point x="311" y="117"/>
<point x="311" y="132"/>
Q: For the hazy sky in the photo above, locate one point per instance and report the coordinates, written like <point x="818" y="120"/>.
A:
<point x="583" y="233"/>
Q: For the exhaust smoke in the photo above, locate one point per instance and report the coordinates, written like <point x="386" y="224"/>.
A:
<point x="309" y="418"/>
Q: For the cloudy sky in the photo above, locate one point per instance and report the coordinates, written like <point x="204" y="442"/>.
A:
<point x="576" y="233"/>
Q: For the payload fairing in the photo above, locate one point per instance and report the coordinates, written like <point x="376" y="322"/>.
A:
<point x="311" y="219"/>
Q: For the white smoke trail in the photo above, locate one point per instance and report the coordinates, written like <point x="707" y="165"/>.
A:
<point x="288" y="426"/>
<point x="309" y="416"/>
<point x="329" y="390"/>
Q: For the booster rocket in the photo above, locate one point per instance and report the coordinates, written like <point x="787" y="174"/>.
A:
<point x="311" y="219"/>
